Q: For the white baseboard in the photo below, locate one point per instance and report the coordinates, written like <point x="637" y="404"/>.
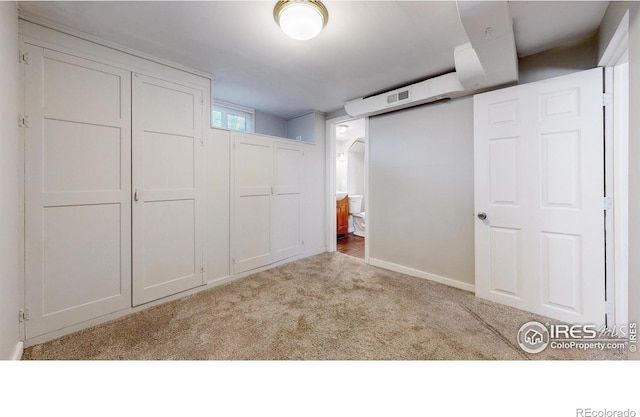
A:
<point x="220" y="281"/>
<point x="421" y="274"/>
<point x="17" y="352"/>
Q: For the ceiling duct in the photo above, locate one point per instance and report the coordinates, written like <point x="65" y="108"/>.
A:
<point x="488" y="59"/>
<point x="490" y="31"/>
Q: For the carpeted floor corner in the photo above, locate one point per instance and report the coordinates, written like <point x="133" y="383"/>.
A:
<point x="326" y="307"/>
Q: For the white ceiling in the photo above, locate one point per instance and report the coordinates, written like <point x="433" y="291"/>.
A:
<point x="367" y="46"/>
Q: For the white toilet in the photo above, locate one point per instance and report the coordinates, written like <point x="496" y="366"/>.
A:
<point x="356" y="210"/>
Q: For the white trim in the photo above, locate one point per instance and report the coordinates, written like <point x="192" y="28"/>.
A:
<point x="614" y="58"/>
<point x="421" y="274"/>
<point x="609" y="186"/>
<point x="112" y="45"/>
<point x="245" y="274"/>
<point x="618" y="48"/>
<point x="233" y="106"/>
<point x="367" y="229"/>
<point x="331" y="181"/>
<point x="226" y="109"/>
<point x="621" y="192"/>
<point x="17" y="352"/>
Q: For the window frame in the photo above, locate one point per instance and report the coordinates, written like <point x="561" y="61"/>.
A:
<point x="226" y="109"/>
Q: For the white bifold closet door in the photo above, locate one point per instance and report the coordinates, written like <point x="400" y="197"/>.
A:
<point x="77" y="190"/>
<point x="168" y="189"/>
<point x="268" y="186"/>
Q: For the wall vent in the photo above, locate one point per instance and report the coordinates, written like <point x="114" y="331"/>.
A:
<point x="399" y="96"/>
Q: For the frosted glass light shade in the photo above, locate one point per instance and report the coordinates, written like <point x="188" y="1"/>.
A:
<point x="301" y="19"/>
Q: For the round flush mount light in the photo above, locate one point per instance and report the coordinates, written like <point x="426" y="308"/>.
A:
<point x="301" y="19"/>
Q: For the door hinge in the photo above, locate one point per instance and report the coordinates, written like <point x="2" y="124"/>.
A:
<point x="606" y="99"/>
<point x="608" y="307"/>
<point x="202" y="268"/>
<point x="201" y="101"/>
<point x="23" y="315"/>
<point x="302" y="242"/>
<point x="201" y="141"/>
<point x="23" y="57"/>
<point x="607" y="203"/>
<point x="233" y="261"/>
<point x="23" y="121"/>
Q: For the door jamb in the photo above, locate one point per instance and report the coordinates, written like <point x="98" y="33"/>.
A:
<point x="331" y="181"/>
<point x="616" y="134"/>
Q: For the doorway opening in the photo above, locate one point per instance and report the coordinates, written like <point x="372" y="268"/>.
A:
<point x="347" y="231"/>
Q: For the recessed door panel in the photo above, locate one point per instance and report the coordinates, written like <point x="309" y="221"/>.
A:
<point x="561" y="271"/>
<point x="79" y="157"/>
<point x="169" y="109"/>
<point x="560" y="169"/>
<point x="81" y="91"/>
<point x="287" y="236"/>
<point x="252" y="232"/>
<point x="168" y="161"/>
<point x="169" y="235"/>
<point x="506" y="262"/>
<point x="504" y="113"/>
<point x="81" y="268"/>
<point x="503" y="185"/>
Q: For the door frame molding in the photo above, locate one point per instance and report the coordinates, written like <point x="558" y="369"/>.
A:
<point x="331" y="182"/>
<point x="616" y="85"/>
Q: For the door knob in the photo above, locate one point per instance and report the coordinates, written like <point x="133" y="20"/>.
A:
<point x="482" y="216"/>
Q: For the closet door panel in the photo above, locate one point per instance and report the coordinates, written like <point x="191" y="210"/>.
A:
<point x="287" y="200"/>
<point x="77" y="190"/>
<point x="253" y="185"/>
<point x="168" y="239"/>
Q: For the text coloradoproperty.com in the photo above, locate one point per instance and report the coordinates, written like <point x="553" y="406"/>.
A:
<point x="586" y="345"/>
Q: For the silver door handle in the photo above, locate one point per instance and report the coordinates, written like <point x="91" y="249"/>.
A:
<point x="136" y="196"/>
<point x="482" y="216"/>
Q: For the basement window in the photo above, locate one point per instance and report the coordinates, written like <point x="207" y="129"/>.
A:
<point x="231" y="116"/>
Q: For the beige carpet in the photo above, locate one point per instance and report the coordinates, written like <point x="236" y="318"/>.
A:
<point x="330" y="306"/>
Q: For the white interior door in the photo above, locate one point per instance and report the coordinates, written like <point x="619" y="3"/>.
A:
<point x="253" y="186"/>
<point x="286" y="236"/>
<point x="539" y="177"/>
<point x="168" y="242"/>
<point x="77" y="190"/>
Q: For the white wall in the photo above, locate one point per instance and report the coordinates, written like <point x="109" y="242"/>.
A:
<point x="355" y="173"/>
<point x="309" y="127"/>
<point x="421" y="189"/>
<point x="268" y="124"/>
<point x="9" y="181"/>
<point x="563" y="60"/>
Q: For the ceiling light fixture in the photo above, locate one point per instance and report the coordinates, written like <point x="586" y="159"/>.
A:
<point x="342" y="129"/>
<point x="301" y="19"/>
